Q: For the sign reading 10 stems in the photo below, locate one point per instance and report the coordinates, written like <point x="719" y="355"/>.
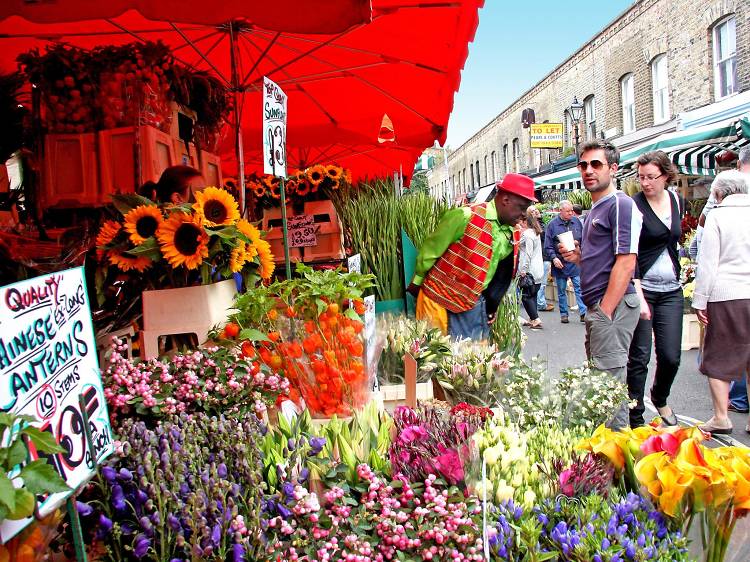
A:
<point x="48" y="359"/>
<point x="274" y="129"/>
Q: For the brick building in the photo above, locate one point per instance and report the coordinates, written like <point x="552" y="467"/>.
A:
<point x="661" y="67"/>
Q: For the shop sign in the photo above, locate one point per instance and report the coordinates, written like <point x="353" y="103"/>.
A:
<point x="302" y="231"/>
<point x="371" y="362"/>
<point x="274" y="129"/>
<point x="48" y="359"/>
<point x="546" y="135"/>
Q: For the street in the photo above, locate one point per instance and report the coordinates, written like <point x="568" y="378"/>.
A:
<point x="561" y="345"/>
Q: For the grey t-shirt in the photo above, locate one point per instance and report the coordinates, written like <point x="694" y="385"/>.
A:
<point x="661" y="278"/>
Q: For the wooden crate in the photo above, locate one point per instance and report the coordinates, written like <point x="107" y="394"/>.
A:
<point x="272" y="224"/>
<point x="70" y="176"/>
<point x="330" y="236"/>
<point x="210" y="167"/>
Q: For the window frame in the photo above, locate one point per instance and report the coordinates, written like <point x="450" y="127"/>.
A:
<point x="516" y="154"/>
<point x="717" y="62"/>
<point x="660" y="95"/>
<point x="628" y="110"/>
<point x="590" y="102"/>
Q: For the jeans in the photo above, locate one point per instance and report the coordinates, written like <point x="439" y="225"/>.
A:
<point x="528" y="299"/>
<point x="562" y="294"/>
<point x="738" y="393"/>
<point x="471" y="324"/>
<point x="666" y="326"/>
<point x="607" y="343"/>
<point x="541" y="298"/>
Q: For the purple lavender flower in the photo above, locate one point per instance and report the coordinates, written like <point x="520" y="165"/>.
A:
<point x="125" y="475"/>
<point x="84" y="509"/>
<point x="222" y="471"/>
<point x="109" y="474"/>
<point x="316" y="445"/>
<point x="141" y="546"/>
<point x="173" y="522"/>
<point x="105" y="527"/>
<point x="118" y="498"/>
<point x="216" y="534"/>
<point x="238" y="553"/>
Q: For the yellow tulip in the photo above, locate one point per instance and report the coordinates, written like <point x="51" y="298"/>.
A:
<point x="606" y="442"/>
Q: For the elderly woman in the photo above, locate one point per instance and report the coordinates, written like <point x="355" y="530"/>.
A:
<point x="722" y="293"/>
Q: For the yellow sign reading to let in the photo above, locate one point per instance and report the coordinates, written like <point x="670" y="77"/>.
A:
<point x="547" y="135"/>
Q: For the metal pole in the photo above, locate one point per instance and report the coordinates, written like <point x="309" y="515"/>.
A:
<point x="237" y="92"/>
<point x="284" y="233"/>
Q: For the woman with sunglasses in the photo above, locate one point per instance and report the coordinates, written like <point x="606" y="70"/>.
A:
<point x="659" y="273"/>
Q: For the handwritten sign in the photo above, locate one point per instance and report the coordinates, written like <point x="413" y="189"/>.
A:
<point x="354" y="263"/>
<point x="302" y="231"/>
<point x="369" y="330"/>
<point x="47" y="359"/>
<point x="546" y="135"/>
<point x="274" y="129"/>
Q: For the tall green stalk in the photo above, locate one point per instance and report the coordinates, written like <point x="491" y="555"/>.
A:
<point x="506" y="332"/>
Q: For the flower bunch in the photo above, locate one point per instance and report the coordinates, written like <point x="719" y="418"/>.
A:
<point x="402" y="335"/>
<point x="591" y="528"/>
<point x="377" y="521"/>
<point x="189" y="489"/>
<point x="687" y="277"/>
<point x="588" y="475"/>
<point x="317" y="342"/>
<point x="520" y="465"/>
<point x="301" y="185"/>
<point x="212" y="380"/>
<point x="473" y="373"/>
<point x="429" y="440"/>
<point x="208" y="236"/>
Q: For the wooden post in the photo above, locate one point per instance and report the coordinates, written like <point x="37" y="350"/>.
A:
<point x="410" y="380"/>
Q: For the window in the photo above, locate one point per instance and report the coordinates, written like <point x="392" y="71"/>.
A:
<point x="479" y="176"/>
<point x="493" y="162"/>
<point x="505" y="159"/>
<point x="725" y="58"/>
<point x="516" y="155"/>
<point x="628" y="103"/>
<point x="589" y="115"/>
<point x="471" y="169"/>
<point x="660" y="77"/>
<point x="568" y="133"/>
<point x="486" y="171"/>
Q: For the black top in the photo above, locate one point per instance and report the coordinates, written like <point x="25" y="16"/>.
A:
<point x="655" y="236"/>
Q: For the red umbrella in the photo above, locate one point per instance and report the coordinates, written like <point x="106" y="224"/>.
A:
<point x="405" y="63"/>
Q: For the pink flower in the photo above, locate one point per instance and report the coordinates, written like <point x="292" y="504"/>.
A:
<point x="566" y="487"/>
<point x="450" y="466"/>
<point x="412" y="433"/>
<point x="663" y="442"/>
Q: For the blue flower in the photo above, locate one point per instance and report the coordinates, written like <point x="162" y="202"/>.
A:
<point x="105" y="527"/>
<point x="109" y="474"/>
<point x="222" y="471"/>
<point x="173" y="522"/>
<point x="238" y="553"/>
<point x="316" y="445"/>
<point x="84" y="509"/>
<point x="125" y="475"/>
<point x="141" y="546"/>
<point x="216" y="534"/>
<point x="118" y="498"/>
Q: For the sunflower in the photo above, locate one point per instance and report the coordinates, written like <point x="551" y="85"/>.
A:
<point x="316" y="174"/>
<point x="348" y="176"/>
<point x="183" y="240"/>
<point x="216" y="207"/>
<point x="267" y="264"/>
<point x="259" y="190"/>
<point x="237" y="258"/>
<point x="290" y="186"/>
<point x="334" y="184"/>
<point x="334" y="172"/>
<point x="303" y="187"/>
<point x="107" y="232"/>
<point x="249" y="230"/>
<point x="142" y="222"/>
<point x="126" y="263"/>
<point x="274" y="188"/>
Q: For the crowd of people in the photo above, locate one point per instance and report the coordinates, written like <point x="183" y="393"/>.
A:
<point x="623" y="264"/>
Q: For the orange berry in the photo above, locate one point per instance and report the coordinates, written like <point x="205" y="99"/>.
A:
<point x="248" y="350"/>
<point x="232" y="330"/>
<point x="359" y="307"/>
<point x="274" y="336"/>
<point x="333" y="308"/>
<point x="290" y="312"/>
<point x="273" y="314"/>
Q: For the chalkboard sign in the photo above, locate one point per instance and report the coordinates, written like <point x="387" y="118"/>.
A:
<point x="48" y="359"/>
<point x="302" y="231"/>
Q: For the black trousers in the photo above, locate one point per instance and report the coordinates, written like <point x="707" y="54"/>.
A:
<point x="666" y="326"/>
<point x="528" y="299"/>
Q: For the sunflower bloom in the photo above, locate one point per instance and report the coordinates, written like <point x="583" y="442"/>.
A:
<point x="249" y="230"/>
<point x="237" y="258"/>
<point x="303" y="187"/>
<point x="107" y="232"/>
<point x="290" y="186"/>
<point x="183" y="241"/>
<point x="141" y="223"/>
<point x="348" y="176"/>
<point x="216" y="207"/>
<point x="334" y="184"/>
<point x="126" y="263"/>
<point x="316" y="174"/>
<point x="259" y="190"/>
<point x="274" y="188"/>
<point x="267" y="264"/>
<point x="334" y="172"/>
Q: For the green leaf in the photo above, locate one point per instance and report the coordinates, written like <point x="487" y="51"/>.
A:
<point x="252" y="334"/>
<point x="39" y="478"/>
<point x="7" y="492"/>
<point x="17" y="453"/>
<point x="351" y="314"/>
<point x="127" y="202"/>
<point x="227" y="233"/>
<point x="147" y="249"/>
<point x="43" y="440"/>
<point x="25" y="504"/>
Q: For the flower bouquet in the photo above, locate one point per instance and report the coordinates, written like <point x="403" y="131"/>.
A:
<point x="302" y="185"/>
<point x="473" y="373"/>
<point x="402" y="335"/>
<point x="305" y="329"/>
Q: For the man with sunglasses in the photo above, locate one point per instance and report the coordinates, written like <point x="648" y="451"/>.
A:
<point x="607" y="256"/>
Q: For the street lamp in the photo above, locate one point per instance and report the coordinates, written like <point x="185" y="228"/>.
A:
<point x="576" y="112"/>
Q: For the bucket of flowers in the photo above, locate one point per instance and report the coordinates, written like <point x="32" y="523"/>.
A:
<point x="473" y="373"/>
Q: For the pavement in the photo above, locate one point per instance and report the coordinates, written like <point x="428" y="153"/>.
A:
<point x="561" y="345"/>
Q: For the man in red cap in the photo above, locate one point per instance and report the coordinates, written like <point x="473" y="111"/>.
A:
<point x="466" y="265"/>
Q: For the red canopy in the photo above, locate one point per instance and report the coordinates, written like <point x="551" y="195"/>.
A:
<point x="405" y="63"/>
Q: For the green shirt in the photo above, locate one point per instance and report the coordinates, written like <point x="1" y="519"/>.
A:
<point x="451" y="229"/>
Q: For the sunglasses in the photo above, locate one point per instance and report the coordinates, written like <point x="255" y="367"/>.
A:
<point x="595" y="164"/>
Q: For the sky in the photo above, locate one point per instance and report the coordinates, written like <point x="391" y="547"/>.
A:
<point x="516" y="45"/>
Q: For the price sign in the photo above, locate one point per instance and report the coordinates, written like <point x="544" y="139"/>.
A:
<point x="369" y="330"/>
<point x="274" y="129"/>
<point x="354" y="263"/>
<point x="302" y="231"/>
<point x="47" y="360"/>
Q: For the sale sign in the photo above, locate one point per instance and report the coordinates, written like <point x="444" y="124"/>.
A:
<point x="302" y="231"/>
<point x="274" y="129"/>
<point x="48" y="359"/>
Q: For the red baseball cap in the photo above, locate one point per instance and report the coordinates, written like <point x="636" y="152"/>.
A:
<point x="518" y="184"/>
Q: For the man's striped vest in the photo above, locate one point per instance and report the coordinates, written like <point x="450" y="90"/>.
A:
<point x="456" y="280"/>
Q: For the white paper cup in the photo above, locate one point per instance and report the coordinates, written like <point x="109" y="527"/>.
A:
<point x="566" y="239"/>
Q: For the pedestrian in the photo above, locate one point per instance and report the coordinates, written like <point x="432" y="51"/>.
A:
<point x="659" y="275"/>
<point x="541" y="297"/>
<point x="607" y="257"/>
<point x="562" y="270"/>
<point x="722" y="293"/>
<point x="466" y="265"/>
<point x="530" y="267"/>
